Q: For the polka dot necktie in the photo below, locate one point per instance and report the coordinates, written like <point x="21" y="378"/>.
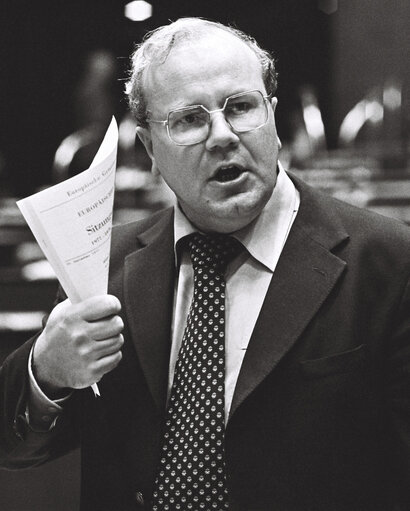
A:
<point x="192" y="467"/>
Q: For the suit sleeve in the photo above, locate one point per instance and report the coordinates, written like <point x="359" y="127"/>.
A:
<point x="20" y="445"/>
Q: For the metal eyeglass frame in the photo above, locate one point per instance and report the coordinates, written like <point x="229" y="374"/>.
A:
<point x="166" y="121"/>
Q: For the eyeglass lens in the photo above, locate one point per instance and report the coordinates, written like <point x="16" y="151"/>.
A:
<point x="244" y="112"/>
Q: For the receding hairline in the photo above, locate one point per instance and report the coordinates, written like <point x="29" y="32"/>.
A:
<point x="208" y="32"/>
<point x="192" y="43"/>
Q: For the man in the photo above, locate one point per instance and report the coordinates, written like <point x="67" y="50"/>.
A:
<point x="311" y="381"/>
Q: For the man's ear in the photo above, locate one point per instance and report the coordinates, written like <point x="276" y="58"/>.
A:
<point x="144" y="134"/>
<point x="274" y="102"/>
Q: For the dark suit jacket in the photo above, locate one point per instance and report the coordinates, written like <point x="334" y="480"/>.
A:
<point x="320" y="418"/>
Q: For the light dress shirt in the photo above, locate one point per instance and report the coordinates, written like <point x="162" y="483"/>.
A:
<point x="247" y="281"/>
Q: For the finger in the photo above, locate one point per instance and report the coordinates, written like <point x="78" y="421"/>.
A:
<point x="105" y="328"/>
<point x="106" y="364"/>
<point x="108" y="346"/>
<point x="98" y="307"/>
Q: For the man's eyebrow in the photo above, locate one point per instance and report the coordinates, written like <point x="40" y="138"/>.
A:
<point x="183" y="105"/>
<point x="221" y="101"/>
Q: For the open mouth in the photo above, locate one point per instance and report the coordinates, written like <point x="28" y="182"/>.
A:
<point x="229" y="173"/>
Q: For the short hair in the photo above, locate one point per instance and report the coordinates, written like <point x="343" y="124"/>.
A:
<point x="157" y="44"/>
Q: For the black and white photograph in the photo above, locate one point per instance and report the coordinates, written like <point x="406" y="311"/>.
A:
<point x="205" y="255"/>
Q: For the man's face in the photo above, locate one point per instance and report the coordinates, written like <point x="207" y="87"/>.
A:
<point x="223" y="183"/>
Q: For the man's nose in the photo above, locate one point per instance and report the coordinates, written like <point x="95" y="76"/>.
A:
<point x="220" y="133"/>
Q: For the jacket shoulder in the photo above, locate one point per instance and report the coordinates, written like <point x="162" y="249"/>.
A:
<point x="124" y="237"/>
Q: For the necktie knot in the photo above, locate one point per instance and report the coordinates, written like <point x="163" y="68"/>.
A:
<point x="213" y="250"/>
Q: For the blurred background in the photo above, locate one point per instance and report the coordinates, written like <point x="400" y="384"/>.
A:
<point x="343" y="117"/>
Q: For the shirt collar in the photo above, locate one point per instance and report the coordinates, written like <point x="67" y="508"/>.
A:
<point x="265" y="236"/>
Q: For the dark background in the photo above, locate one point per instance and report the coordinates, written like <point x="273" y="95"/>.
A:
<point x="340" y="47"/>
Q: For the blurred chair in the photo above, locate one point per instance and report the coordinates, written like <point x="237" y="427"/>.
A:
<point x="377" y="117"/>
<point x="367" y="112"/>
<point x="312" y="117"/>
<point x="76" y="152"/>
<point x="308" y="130"/>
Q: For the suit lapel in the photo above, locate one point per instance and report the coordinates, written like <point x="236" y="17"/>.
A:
<point x="306" y="273"/>
<point x="148" y="294"/>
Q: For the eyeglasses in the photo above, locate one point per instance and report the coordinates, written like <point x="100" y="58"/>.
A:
<point x="243" y="112"/>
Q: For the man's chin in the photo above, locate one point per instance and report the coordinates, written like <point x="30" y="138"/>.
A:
<point x="229" y="215"/>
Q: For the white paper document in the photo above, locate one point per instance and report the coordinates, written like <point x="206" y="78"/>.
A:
<point x="72" y="223"/>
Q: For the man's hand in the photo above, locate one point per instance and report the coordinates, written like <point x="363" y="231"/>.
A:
<point x="79" y="344"/>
